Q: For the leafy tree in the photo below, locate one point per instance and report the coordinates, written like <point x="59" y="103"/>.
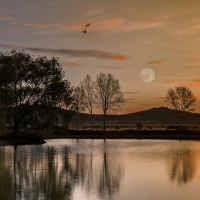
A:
<point x="88" y="87"/>
<point x="108" y="95"/>
<point x="181" y="99"/>
<point x="26" y="83"/>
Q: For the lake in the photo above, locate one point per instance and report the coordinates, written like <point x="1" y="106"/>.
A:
<point x="84" y="169"/>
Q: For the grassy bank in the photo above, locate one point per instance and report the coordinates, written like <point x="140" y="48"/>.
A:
<point x="39" y="137"/>
<point x="23" y="138"/>
<point x="130" y="134"/>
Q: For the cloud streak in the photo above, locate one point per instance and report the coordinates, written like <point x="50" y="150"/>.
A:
<point x="156" y="62"/>
<point x="3" y="18"/>
<point x="112" y="67"/>
<point x="71" y="64"/>
<point x="192" y="67"/>
<point x="191" y="84"/>
<point x="42" y="26"/>
<point x="120" y="24"/>
<point x="182" y="75"/>
<point x="94" y="12"/>
<point x="72" y="52"/>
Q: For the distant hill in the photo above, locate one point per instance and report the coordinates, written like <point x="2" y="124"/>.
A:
<point x="151" y="116"/>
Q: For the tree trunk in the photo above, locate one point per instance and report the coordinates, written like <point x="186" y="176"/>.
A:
<point x="180" y="122"/>
<point x="77" y="120"/>
<point x="92" y="121"/>
<point x="15" y="131"/>
<point x="104" y="122"/>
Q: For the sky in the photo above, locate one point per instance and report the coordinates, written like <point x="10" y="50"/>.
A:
<point x="125" y="36"/>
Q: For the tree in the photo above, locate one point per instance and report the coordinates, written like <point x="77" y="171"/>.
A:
<point x="2" y="120"/>
<point x="26" y="83"/>
<point x="78" y="105"/>
<point x="181" y="99"/>
<point x="88" y="87"/>
<point x="108" y="95"/>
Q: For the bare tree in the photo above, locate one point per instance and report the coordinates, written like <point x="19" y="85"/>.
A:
<point x="108" y="95"/>
<point x="87" y="86"/>
<point x="181" y="99"/>
<point x="78" y="99"/>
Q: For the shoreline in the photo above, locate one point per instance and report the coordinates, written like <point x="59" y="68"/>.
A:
<point x="89" y="134"/>
<point x="130" y="134"/>
<point x="21" y="141"/>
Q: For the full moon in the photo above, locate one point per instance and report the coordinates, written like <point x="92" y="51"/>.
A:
<point x="147" y="75"/>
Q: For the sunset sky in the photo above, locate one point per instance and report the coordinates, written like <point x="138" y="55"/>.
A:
<point x="125" y="37"/>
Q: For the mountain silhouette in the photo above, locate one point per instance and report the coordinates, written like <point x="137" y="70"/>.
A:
<point x="160" y="115"/>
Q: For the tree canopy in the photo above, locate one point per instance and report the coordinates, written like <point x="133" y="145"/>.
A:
<point x="181" y="99"/>
<point x="26" y="82"/>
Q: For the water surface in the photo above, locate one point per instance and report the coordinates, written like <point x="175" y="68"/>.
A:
<point x="96" y="169"/>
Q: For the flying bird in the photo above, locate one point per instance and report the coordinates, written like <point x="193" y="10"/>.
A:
<point x="84" y="31"/>
<point x="87" y="25"/>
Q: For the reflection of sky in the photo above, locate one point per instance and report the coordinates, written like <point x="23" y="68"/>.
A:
<point x="125" y="36"/>
<point x="132" y="169"/>
<point x="146" y="167"/>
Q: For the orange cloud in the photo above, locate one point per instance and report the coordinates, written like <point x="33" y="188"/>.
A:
<point x="109" y="24"/>
<point x="120" y="57"/>
<point x="195" y="83"/>
<point x="81" y="26"/>
<point x="156" y="62"/>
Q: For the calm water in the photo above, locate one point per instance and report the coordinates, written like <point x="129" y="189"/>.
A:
<point x="98" y="169"/>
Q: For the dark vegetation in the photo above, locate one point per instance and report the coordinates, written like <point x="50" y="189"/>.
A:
<point x="33" y="93"/>
<point x="35" y="100"/>
<point x="131" y="134"/>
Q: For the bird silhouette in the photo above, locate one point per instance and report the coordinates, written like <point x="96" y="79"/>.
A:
<point x="87" y="25"/>
<point x="84" y="31"/>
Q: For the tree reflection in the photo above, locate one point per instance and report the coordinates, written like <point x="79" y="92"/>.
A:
<point x="6" y="176"/>
<point x="37" y="175"/>
<point x="182" y="165"/>
<point x="52" y="173"/>
<point x="110" y="176"/>
<point x="90" y="177"/>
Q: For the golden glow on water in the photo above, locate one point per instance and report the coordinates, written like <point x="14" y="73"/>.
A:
<point x="98" y="169"/>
